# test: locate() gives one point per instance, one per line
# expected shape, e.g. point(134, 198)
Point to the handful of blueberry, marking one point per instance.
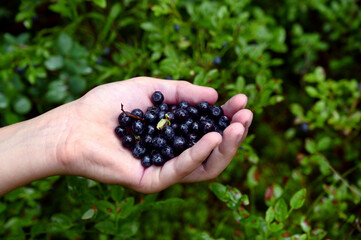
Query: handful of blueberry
point(165, 131)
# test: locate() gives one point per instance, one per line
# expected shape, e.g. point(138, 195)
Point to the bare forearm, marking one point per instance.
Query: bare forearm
point(28, 150)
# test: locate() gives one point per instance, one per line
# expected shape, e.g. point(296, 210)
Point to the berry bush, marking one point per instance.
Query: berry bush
point(296, 176)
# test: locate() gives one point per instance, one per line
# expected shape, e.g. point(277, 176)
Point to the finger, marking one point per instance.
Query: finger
point(176, 91)
point(221, 155)
point(234, 104)
point(243, 116)
point(175, 170)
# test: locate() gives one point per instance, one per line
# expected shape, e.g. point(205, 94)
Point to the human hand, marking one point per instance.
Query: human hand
point(92, 150)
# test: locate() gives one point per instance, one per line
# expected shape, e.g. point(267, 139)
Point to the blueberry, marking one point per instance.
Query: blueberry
point(216, 112)
point(150, 129)
point(207, 126)
point(168, 132)
point(106, 51)
point(164, 107)
point(138, 127)
point(224, 44)
point(183, 129)
point(137, 112)
point(179, 143)
point(181, 115)
point(193, 112)
point(176, 27)
point(192, 137)
point(169, 77)
point(223, 122)
point(150, 116)
point(183, 104)
point(175, 126)
point(124, 120)
point(99, 60)
point(161, 115)
point(189, 121)
point(159, 142)
point(128, 141)
point(173, 108)
point(120, 131)
point(146, 140)
point(195, 127)
point(170, 116)
point(305, 127)
point(21, 70)
point(158, 159)
point(157, 98)
point(217, 60)
point(139, 150)
point(203, 107)
point(167, 152)
point(146, 161)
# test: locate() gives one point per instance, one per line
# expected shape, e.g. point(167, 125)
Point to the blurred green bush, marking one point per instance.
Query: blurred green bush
point(295, 177)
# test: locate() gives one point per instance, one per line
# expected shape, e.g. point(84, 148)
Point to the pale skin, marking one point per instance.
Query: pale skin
point(78, 139)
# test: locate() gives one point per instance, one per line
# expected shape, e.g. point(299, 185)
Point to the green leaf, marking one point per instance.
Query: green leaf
point(100, 3)
point(54, 63)
point(117, 193)
point(280, 210)
point(64, 43)
point(106, 226)
point(298, 199)
point(88, 214)
point(311, 146)
point(219, 190)
point(4, 101)
point(57, 91)
point(77, 84)
point(305, 225)
point(22, 105)
point(149, 27)
point(276, 226)
point(252, 176)
point(270, 214)
point(2, 207)
point(312, 92)
point(297, 109)
point(129, 229)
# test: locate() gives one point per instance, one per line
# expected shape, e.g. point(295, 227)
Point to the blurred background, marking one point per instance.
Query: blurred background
point(297, 175)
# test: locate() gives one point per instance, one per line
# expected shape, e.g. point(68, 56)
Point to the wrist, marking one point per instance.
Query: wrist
point(30, 149)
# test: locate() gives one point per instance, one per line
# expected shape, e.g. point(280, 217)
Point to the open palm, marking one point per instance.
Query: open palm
point(92, 149)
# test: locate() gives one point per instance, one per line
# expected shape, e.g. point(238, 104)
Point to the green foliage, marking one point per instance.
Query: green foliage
point(296, 176)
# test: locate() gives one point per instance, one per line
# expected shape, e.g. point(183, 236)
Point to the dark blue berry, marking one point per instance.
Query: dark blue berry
point(183, 104)
point(21, 70)
point(120, 131)
point(168, 132)
point(192, 137)
point(146, 161)
point(175, 126)
point(158, 159)
point(161, 115)
point(106, 51)
point(170, 116)
point(207, 126)
point(169, 77)
point(181, 115)
point(157, 98)
point(189, 121)
point(167, 152)
point(305, 127)
point(137, 112)
point(164, 107)
point(99, 60)
point(150, 117)
point(150, 129)
point(216, 112)
point(217, 60)
point(193, 112)
point(138, 127)
point(179, 143)
point(195, 127)
point(224, 44)
point(203, 108)
point(124, 120)
point(223, 122)
point(183, 129)
point(139, 150)
point(159, 142)
point(146, 140)
point(176, 27)
point(128, 141)
point(173, 108)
